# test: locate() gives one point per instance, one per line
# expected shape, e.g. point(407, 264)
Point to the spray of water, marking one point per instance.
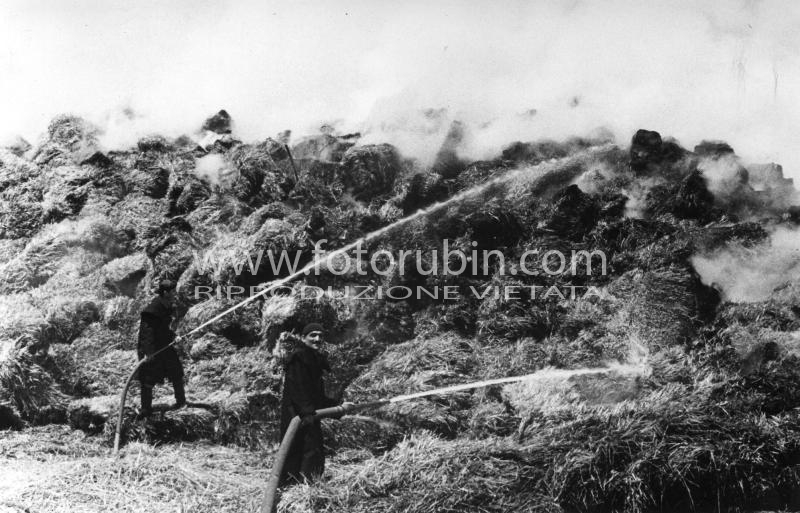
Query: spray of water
point(542, 375)
point(5, 349)
point(528, 173)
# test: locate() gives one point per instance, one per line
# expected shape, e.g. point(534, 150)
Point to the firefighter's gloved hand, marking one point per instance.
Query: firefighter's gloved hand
point(306, 420)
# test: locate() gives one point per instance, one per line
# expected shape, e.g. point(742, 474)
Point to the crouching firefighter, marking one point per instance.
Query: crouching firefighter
point(303, 394)
point(161, 361)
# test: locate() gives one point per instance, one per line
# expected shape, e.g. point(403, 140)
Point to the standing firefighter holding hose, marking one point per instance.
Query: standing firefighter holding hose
point(155, 336)
point(303, 395)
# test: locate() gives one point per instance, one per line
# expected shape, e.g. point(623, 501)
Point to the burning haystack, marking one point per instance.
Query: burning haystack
point(706, 420)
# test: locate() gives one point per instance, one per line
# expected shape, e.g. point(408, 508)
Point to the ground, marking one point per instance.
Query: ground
point(54, 469)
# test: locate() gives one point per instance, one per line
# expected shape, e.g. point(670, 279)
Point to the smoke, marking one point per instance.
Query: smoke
point(213, 168)
point(519, 71)
point(749, 274)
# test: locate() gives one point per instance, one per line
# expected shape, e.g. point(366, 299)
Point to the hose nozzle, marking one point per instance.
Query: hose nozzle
point(344, 409)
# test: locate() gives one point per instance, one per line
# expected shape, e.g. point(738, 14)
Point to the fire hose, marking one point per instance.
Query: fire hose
point(270, 504)
point(124, 395)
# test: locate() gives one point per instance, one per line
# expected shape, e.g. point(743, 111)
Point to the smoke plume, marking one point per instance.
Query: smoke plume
point(402, 73)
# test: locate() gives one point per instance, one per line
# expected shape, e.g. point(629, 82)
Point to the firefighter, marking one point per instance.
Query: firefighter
point(155, 335)
point(303, 395)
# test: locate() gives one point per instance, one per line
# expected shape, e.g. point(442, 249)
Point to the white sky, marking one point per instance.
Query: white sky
point(723, 70)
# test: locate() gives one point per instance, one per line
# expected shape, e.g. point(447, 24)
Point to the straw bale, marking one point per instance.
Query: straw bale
point(246, 261)
point(183, 425)
point(187, 195)
point(210, 345)
point(69, 140)
point(155, 143)
point(659, 305)
point(15, 170)
point(150, 181)
point(18, 316)
point(257, 173)
point(319, 183)
point(221, 209)
point(137, 213)
point(499, 318)
point(249, 420)
point(123, 276)
point(93, 367)
point(277, 235)
point(241, 327)
point(28, 386)
point(33, 266)
point(67, 319)
point(572, 213)
point(19, 218)
point(324, 147)
point(370, 171)
point(91, 414)
point(219, 123)
point(121, 314)
point(254, 221)
point(688, 199)
point(67, 190)
point(172, 255)
point(71, 131)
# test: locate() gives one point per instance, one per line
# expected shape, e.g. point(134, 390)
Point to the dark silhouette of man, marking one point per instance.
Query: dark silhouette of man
point(155, 337)
point(303, 395)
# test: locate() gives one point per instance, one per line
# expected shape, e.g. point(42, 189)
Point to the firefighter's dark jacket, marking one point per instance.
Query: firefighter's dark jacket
point(303, 388)
point(155, 334)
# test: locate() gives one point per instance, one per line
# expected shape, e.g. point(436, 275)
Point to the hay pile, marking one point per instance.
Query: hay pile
point(669, 450)
point(714, 419)
point(423, 473)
